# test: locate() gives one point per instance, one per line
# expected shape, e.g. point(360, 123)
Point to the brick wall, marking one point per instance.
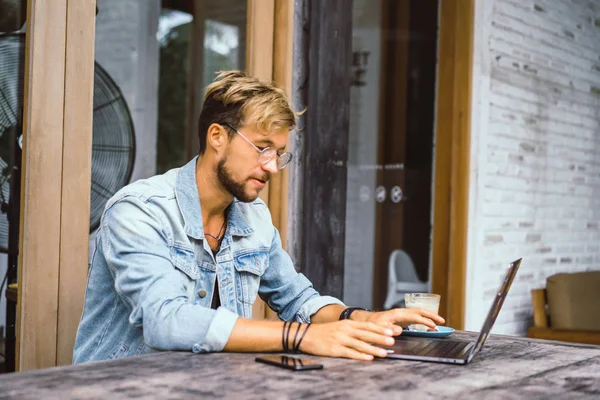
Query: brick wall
point(535, 159)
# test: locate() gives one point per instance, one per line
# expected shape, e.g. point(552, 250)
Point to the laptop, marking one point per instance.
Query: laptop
point(447, 350)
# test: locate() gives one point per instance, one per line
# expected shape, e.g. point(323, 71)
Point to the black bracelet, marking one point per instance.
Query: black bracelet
point(287, 338)
point(348, 311)
point(297, 346)
point(283, 343)
point(296, 337)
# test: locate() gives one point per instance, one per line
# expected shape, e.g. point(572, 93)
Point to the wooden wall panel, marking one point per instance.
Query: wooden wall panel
point(282, 76)
point(41, 188)
point(259, 63)
point(76, 174)
point(55, 188)
point(452, 158)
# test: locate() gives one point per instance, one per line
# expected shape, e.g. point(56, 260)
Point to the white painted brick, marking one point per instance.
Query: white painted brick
point(536, 149)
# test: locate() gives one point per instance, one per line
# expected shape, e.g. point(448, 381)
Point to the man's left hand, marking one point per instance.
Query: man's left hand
point(399, 317)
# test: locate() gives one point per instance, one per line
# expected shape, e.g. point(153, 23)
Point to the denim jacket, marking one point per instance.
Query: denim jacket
point(152, 274)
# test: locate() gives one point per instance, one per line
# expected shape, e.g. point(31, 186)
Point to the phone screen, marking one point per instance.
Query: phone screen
point(293, 363)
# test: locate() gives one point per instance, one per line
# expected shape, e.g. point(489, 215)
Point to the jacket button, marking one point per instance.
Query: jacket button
point(202, 293)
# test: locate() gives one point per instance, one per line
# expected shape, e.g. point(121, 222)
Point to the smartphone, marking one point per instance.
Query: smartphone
point(287, 362)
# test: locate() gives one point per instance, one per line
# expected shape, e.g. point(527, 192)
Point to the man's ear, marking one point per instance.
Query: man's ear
point(216, 137)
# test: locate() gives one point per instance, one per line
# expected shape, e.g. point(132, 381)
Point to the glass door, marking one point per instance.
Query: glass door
point(390, 156)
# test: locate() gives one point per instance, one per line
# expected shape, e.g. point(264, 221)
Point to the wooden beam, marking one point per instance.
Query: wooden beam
point(452, 158)
point(326, 131)
point(76, 173)
point(259, 39)
point(259, 63)
point(259, 48)
point(41, 188)
point(282, 76)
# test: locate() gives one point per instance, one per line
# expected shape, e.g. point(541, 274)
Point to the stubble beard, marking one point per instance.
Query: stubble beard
point(237, 189)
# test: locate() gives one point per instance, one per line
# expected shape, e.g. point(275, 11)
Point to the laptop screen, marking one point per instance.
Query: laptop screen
point(495, 309)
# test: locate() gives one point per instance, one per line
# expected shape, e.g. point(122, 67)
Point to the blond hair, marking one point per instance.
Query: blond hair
point(237, 99)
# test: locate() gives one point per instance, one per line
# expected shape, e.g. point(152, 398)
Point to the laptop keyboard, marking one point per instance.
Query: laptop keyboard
point(443, 348)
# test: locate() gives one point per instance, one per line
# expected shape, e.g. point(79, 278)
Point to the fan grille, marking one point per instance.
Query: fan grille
point(12, 63)
point(113, 141)
point(112, 154)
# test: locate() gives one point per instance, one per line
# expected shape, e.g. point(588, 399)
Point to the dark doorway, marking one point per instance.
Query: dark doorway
point(389, 197)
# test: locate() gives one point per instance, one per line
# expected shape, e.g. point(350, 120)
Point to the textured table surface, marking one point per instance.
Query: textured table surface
point(506, 368)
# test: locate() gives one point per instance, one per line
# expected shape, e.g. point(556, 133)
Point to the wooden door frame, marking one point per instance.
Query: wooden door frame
point(452, 154)
point(269, 57)
point(56, 178)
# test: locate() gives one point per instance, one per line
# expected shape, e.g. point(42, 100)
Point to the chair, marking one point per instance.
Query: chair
point(567, 309)
point(402, 278)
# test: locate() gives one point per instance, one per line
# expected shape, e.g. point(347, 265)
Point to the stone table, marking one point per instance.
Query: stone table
point(506, 368)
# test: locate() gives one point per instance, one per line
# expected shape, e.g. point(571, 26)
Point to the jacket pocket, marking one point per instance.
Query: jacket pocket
point(249, 269)
point(184, 260)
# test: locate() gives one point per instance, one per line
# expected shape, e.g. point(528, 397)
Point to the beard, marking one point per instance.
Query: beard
point(236, 188)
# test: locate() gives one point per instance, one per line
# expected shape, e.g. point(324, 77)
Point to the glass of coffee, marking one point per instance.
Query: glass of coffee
point(426, 301)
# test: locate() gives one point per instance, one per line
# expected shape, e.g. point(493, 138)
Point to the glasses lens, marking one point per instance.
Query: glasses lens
point(284, 160)
point(267, 155)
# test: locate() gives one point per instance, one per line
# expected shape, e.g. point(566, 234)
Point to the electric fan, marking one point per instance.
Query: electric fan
point(113, 142)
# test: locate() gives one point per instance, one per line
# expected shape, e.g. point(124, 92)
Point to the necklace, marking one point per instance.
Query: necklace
point(219, 236)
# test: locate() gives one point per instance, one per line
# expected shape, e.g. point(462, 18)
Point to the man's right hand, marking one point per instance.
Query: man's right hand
point(346, 338)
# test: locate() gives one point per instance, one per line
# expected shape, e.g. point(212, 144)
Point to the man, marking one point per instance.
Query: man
point(181, 257)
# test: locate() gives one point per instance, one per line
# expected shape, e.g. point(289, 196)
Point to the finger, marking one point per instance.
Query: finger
point(357, 355)
point(396, 329)
point(366, 348)
point(425, 321)
point(420, 312)
point(431, 315)
point(371, 337)
point(381, 329)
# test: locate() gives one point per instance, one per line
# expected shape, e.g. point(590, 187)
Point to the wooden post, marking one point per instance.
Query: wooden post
point(76, 173)
point(259, 62)
point(55, 187)
point(453, 118)
point(327, 40)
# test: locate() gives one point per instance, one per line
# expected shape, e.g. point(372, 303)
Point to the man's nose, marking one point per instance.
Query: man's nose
point(271, 166)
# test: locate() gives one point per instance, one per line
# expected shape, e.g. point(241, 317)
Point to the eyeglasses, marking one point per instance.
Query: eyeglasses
point(268, 153)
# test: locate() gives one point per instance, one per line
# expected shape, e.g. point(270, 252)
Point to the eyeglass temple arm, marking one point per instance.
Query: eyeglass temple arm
point(245, 138)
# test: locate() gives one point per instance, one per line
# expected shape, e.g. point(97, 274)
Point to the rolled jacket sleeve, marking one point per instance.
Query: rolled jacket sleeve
point(136, 246)
point(289, 293)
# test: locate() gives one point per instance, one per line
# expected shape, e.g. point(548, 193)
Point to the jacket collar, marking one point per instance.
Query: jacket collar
point(188, 199)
